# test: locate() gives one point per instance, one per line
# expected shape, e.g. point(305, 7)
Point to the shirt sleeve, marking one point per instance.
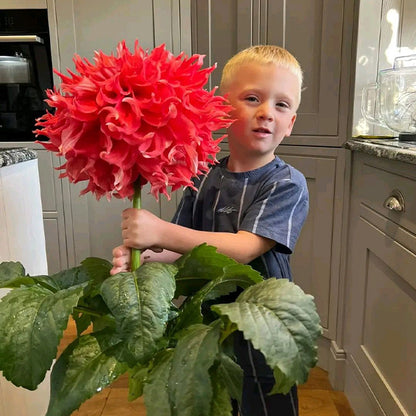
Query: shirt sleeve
point(279, 211)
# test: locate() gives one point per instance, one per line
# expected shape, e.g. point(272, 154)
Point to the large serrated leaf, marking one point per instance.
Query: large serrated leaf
point(97, 271)
point(231, 276)
point(232, 375)
point(12, 274)
point(190, 390)
point(141, 307)
point(281, 321)
point(203, 261)
point(32, 320)
point(85, 367)
point(221, 405)
point(202, 264)
point(71, 277)
point(137, 378)
point(156, 395)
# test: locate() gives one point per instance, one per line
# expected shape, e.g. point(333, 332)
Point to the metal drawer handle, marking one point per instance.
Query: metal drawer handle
point(395, 202)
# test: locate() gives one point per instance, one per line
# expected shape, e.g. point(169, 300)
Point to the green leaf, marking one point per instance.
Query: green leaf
point(12, 274)
point(156, 394)
point(230, 277)
point(85, 367)
point(137, 377)
point(71, 277)
point(202, 261)
point(221, 403)
point(203, 264)
point(32, 320)
point(232, 376)
point(97, 270)
point(82, 321)
point(190, 390)
point(281, 321)
point(141, 308)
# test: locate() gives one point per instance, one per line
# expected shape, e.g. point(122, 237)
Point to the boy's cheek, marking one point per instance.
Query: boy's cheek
point(290, 128)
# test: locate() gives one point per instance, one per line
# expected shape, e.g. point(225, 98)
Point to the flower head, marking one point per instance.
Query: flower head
point(134, 116)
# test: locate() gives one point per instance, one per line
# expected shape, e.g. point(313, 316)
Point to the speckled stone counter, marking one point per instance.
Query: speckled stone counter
point(11, 156)
point(385, 148)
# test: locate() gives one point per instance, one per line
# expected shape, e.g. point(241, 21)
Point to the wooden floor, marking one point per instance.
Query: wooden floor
point(316, 397)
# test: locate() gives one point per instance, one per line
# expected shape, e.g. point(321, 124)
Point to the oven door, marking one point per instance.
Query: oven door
point(25, 74)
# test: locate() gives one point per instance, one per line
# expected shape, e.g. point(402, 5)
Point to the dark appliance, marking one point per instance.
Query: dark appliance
point(25, 72)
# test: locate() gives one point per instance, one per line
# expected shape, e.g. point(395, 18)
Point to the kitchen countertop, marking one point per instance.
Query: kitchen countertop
point(11, 156)
point(385, 148)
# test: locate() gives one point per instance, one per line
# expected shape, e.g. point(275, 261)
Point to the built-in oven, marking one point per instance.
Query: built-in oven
point(25, 71)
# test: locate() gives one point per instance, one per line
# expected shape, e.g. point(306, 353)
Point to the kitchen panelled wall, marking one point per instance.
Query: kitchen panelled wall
point(314, 31)
point(319, 33)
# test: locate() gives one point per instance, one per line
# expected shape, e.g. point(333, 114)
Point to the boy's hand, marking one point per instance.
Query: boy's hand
point(141, 229)
point(121, 260)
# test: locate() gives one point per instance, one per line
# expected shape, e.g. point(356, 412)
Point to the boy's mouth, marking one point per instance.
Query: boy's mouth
point(262, 130)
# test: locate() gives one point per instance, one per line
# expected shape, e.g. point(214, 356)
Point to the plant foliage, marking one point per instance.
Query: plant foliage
point(179, 357)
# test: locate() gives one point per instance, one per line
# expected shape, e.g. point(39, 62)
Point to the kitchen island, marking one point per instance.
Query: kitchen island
point(380, 301)
point(21, 239)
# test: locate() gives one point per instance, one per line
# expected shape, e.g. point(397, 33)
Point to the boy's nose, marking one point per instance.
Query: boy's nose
point(265, 112)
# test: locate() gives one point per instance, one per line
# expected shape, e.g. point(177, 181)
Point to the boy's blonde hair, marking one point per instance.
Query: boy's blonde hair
point(261, 54)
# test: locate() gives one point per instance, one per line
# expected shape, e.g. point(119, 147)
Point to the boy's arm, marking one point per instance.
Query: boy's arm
point(141, 229)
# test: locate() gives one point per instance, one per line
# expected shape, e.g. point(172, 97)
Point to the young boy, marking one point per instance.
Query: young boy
point(251, 205)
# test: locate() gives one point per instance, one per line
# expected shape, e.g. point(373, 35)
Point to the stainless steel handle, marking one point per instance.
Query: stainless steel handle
point(395, 202)
point(21, 38)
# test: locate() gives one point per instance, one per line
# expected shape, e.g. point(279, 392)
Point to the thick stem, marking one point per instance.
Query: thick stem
point(137, 203)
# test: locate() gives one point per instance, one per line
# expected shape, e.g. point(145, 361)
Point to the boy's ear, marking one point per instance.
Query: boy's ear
point(290, 126)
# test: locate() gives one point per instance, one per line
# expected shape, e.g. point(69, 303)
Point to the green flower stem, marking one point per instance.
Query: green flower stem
point(137, 203)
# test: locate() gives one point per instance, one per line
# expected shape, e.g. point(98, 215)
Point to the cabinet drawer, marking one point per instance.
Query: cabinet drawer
point(379, 184)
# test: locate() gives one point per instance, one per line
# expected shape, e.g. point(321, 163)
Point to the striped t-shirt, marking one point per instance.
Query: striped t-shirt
point(271, 201)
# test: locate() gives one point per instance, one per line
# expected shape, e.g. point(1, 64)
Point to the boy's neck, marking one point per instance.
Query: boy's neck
point(247, 164)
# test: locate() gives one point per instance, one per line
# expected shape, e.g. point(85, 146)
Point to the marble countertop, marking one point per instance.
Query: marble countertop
point(385, 148)
point(11, 156)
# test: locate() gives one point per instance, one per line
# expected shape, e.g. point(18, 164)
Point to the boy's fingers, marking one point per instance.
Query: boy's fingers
point(121, 251)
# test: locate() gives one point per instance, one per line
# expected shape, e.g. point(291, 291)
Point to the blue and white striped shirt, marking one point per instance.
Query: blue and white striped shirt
point(271, 201)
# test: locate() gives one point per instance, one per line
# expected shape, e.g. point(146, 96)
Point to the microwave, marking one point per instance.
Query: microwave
point(25, 72)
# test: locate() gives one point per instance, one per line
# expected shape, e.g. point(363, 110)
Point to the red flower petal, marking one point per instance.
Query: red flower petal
point(134, 115)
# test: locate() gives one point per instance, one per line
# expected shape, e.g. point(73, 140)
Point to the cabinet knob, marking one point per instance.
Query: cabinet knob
point(395, 202)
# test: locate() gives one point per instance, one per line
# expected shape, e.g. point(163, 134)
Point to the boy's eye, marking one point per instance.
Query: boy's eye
point(251, 98)
point(282, 104)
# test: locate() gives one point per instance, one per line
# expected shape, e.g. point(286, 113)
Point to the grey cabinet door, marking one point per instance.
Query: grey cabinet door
point(380, 302)
point(312, 30)
point(316, 258)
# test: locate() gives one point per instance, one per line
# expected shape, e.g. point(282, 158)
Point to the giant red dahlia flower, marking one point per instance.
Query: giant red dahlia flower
point(141, 115)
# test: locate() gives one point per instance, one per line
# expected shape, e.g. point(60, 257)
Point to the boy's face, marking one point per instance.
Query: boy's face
point(265, 98)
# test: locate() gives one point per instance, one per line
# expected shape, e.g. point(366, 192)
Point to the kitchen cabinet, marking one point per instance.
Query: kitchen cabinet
point(317, 32)
point(317, 257)
point(53, 190)
point(380, 310)
point(21, 239)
